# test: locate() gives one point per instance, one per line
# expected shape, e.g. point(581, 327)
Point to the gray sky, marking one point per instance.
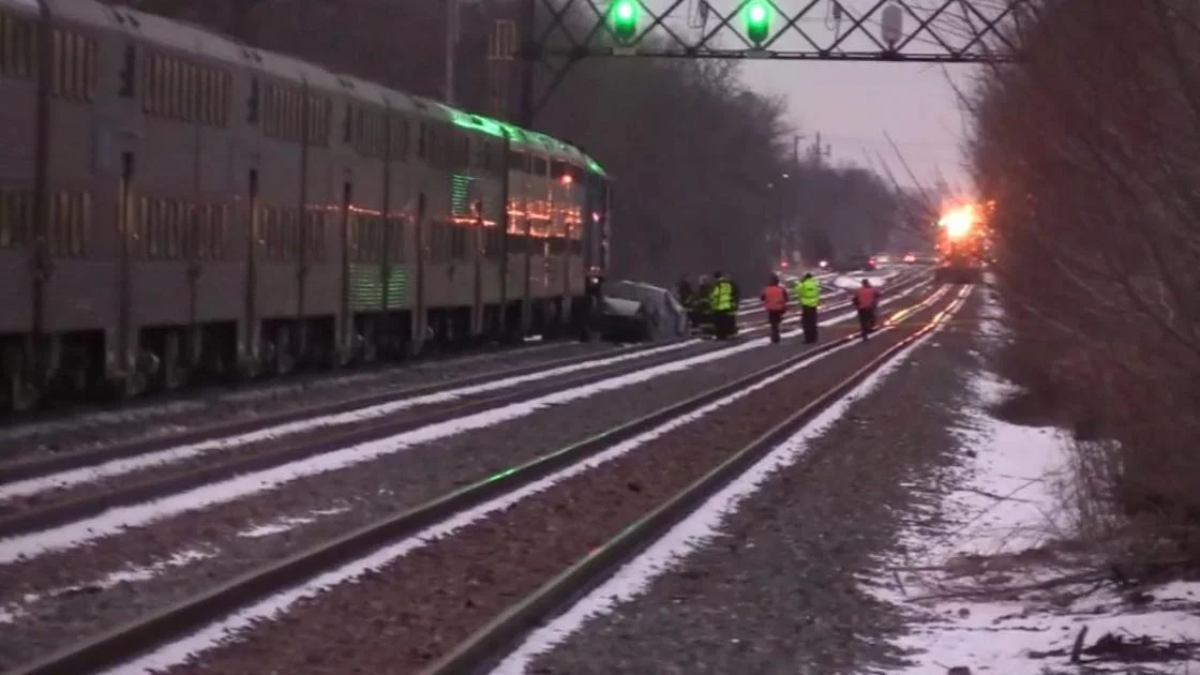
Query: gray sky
point(852, 104)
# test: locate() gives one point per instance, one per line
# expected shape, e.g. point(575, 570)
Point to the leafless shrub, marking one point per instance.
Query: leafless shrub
point(1091, 147)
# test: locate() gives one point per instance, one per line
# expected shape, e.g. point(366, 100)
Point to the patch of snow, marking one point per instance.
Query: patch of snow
point(118, 519)
point(220, 632)
point(1005, 515)
point(635, 577)
point(14, 612)
point(72, 477)
point(289, 523)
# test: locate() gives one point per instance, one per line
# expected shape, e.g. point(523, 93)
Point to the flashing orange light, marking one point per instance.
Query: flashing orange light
point(567, 179)
point(959, 222)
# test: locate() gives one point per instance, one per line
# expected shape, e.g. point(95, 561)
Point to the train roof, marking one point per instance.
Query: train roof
point(184, 36)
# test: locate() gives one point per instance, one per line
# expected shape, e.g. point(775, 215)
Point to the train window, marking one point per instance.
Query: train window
point(422, 140)
point(128, 72)
point(400, 139)
point(170, 90)
point(252, 104)
point(194, 93)
point(322, 111)
point(18, 37)
point(171, 230)
point(348, 125)
point(60, 64)
point(224, 100)
point(539, 166)
point(141, 228)
point(15, 217)
point(159, 95)
point(204, 213)
point(315, 234)
point(158, 229)
point(204, 86)
point(518, 161)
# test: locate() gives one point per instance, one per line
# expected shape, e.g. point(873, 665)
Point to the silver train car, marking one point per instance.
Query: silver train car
point(173, 202)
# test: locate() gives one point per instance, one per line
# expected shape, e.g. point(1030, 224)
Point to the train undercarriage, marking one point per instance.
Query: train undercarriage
point(71, 367)
point(958, 274)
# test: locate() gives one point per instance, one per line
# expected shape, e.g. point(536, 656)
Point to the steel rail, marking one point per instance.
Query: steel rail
point(495, 640)
point(41, 466)
point(126, 642)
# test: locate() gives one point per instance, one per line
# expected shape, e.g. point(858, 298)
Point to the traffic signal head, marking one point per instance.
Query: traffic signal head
point(624, 14)
point(758, 21)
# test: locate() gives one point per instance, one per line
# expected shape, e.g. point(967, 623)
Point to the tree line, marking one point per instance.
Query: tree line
point(1091, 148)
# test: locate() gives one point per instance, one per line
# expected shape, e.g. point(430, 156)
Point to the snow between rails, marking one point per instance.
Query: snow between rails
point(116, 520)
point(217, 633)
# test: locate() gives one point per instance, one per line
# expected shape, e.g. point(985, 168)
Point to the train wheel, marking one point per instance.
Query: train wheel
point(20, 394)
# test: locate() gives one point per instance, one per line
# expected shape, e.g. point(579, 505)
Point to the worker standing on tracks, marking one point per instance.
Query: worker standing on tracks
point(683, 290)
point(775, 301)
point(723, 306)
point(866, 301)
point(808, 292)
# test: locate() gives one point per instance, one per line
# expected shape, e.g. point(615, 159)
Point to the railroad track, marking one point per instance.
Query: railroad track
point(835, 361)
point(46, 491)
point(63, 431)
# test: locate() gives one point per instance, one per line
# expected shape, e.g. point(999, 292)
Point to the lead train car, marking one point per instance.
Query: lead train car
point(206, 206)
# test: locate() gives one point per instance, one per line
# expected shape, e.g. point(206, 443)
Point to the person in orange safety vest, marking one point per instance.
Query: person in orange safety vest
point(775, 300)
point(866, 301)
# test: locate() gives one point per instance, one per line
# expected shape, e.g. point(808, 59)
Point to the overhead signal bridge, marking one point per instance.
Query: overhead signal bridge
point(557, 34)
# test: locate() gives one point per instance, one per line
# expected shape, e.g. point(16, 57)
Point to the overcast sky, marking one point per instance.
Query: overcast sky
point(852, 104)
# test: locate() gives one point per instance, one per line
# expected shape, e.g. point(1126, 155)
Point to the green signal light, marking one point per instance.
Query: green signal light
point(625, 19)
point(758, 21)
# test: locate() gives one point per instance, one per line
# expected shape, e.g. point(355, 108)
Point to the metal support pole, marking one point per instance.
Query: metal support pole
point(528, 61)
point(452, 20)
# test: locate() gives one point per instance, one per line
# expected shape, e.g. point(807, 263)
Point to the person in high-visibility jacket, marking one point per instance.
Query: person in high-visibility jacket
point(723, 305)
point(775, 301)
point(808, 292)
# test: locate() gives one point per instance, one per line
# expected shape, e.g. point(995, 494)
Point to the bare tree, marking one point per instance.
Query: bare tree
point(1091, 148)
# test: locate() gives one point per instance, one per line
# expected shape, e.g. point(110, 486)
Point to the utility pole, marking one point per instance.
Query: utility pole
point(816, 151)
point(452, 21)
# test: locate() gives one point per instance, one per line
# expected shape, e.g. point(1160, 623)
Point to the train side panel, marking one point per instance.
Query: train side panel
point(18, 133)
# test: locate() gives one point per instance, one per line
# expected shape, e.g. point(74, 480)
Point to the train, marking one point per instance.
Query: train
point(962, 244)
point(175, 203)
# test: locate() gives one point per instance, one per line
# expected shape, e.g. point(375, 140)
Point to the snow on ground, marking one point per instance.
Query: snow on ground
point(233, 625)
point(10, 612)
point(991, 591)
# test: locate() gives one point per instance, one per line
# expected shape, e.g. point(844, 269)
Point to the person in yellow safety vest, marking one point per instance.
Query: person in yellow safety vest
point(808, 292)
point(723, 306)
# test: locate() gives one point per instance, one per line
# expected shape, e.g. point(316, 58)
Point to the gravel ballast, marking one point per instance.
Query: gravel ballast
point(775, 591)
point(418, 607)
point(217, 537)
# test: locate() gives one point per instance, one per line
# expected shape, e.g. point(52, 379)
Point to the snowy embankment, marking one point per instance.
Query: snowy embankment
point(998, 591)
